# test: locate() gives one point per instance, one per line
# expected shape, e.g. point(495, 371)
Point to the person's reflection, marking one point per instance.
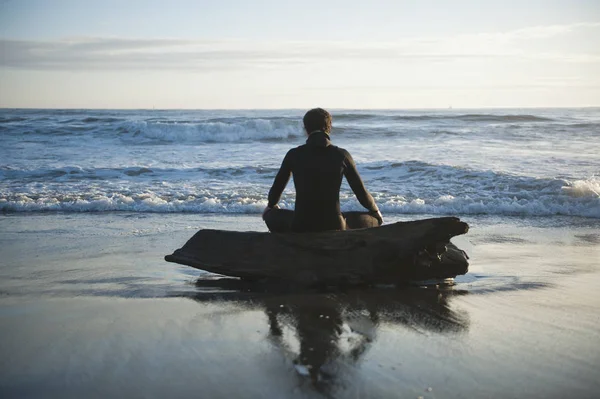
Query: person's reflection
point(318, 327)
point(334, 331)
point(337, 330)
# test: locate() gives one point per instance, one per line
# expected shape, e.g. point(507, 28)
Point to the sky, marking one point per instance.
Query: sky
point(240, 54)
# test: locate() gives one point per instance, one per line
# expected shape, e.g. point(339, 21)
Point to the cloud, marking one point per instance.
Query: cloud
point(545, 31)
point(91, 54)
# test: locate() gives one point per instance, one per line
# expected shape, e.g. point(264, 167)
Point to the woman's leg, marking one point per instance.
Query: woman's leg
point(360, 220)
point(280, 220)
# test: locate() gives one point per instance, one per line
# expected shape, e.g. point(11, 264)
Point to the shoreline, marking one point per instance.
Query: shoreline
point(88, 306)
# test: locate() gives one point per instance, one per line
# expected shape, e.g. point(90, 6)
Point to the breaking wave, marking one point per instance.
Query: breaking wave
point(499, 162)
point(511, 118)
point(397, 187)
point(216, 131)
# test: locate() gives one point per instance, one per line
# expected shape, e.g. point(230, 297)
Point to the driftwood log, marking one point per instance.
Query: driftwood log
point(391, 254)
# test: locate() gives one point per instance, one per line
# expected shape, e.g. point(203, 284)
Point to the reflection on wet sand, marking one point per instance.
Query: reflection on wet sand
point(326, 333)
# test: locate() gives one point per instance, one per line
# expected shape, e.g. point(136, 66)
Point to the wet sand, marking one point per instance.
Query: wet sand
point(89, 308)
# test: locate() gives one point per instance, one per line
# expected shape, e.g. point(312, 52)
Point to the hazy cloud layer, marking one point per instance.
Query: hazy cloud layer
point(88, 54)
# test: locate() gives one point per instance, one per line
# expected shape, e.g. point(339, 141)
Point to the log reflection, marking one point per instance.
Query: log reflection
point(334, 330)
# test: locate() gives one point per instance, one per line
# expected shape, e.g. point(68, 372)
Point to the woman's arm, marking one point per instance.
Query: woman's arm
point(281, 180)
point(358, 187)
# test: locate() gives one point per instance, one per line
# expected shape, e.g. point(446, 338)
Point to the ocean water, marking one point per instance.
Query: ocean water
point(529, 162)
point(91, 201)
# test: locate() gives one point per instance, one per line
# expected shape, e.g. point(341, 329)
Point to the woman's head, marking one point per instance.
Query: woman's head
point(317, 119)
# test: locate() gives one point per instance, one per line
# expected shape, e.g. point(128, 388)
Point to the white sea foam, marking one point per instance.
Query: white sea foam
point(217, 131)
point(493, 162)
point(584, 188)
point(253, 199)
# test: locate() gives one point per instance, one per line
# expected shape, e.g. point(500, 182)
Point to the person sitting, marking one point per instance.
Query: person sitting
point(318, 167)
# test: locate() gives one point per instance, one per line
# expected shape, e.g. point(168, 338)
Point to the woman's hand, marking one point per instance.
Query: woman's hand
point(267, 209)
point(379, 217)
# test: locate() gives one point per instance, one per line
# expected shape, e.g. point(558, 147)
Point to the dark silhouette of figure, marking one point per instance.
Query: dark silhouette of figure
point(318, 168)
point(335, 330)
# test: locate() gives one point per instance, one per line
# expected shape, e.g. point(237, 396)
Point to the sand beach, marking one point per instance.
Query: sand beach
point(88, 307)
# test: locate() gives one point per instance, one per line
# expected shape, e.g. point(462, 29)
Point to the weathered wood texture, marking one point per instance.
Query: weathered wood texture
point(390, 254)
